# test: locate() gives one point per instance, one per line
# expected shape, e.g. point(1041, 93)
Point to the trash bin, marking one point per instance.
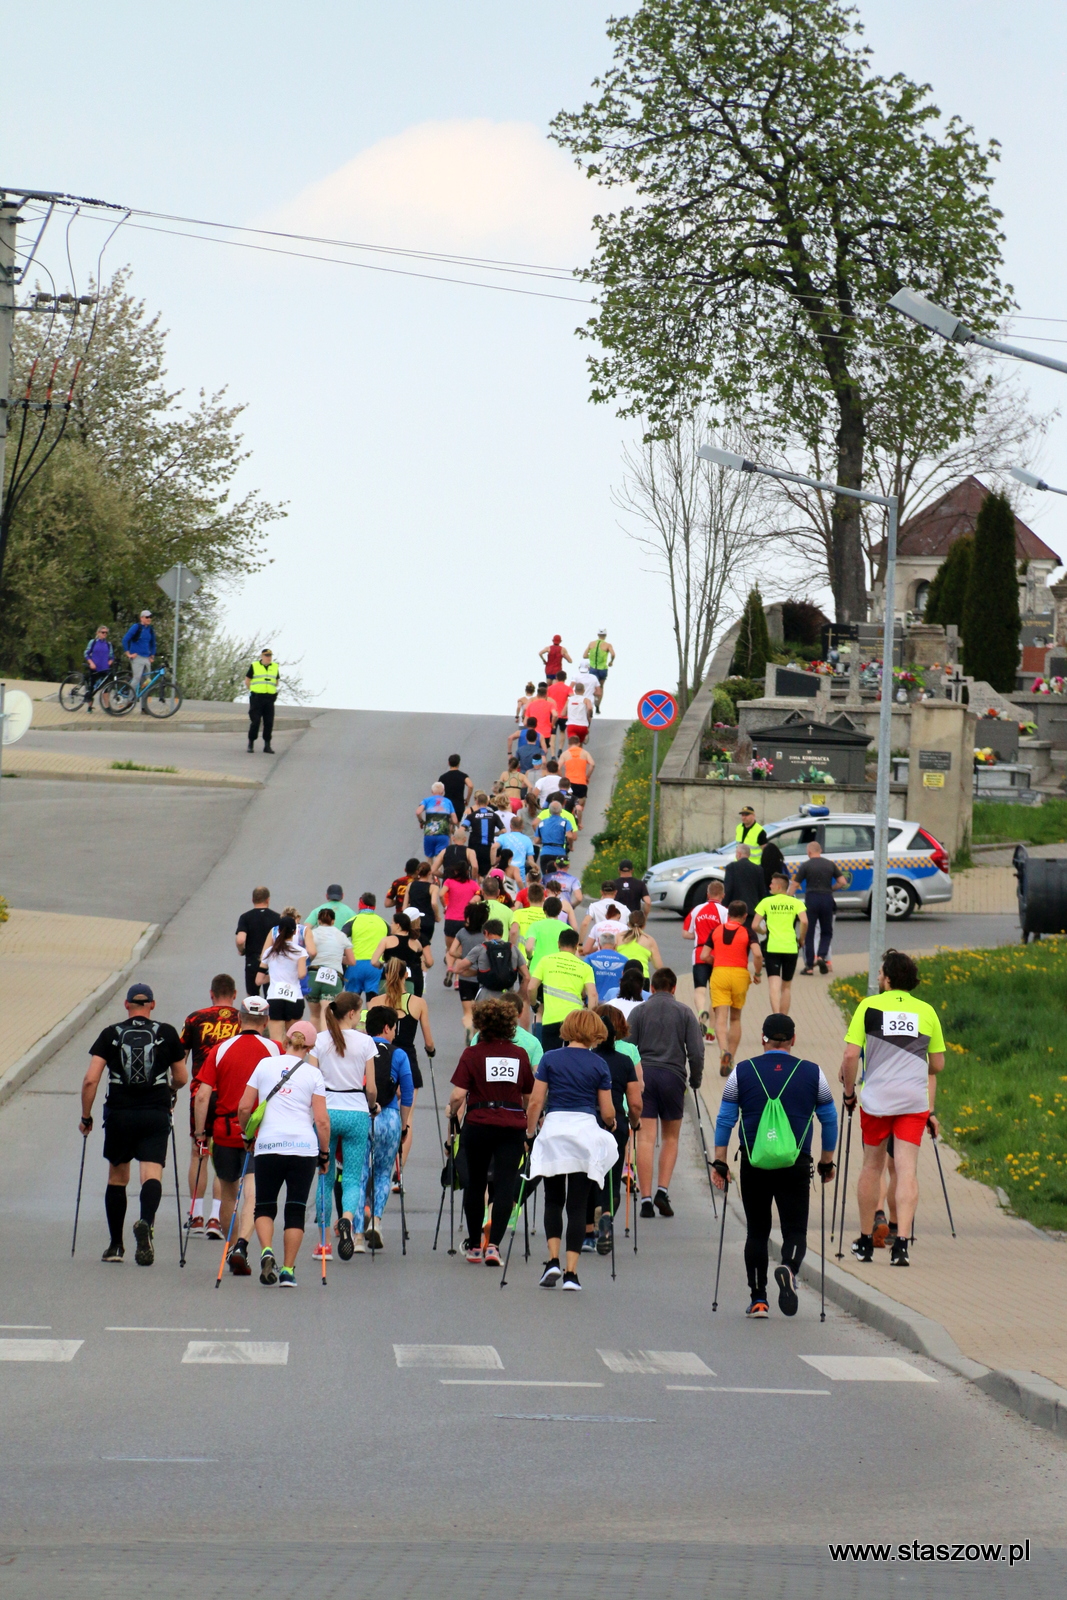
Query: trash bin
point(1042, 893)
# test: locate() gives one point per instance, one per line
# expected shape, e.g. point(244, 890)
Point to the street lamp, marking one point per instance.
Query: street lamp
point(727, 458)
point(930, 315)
point(1032, 481)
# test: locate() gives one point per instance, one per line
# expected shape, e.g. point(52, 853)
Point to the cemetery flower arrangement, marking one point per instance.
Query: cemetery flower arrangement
point(762, 769)
point(1049, 686)
point(909, 678)
point(985, 757)
point(1028, 728)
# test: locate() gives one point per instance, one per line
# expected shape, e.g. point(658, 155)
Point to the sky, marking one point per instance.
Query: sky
point(448, 483)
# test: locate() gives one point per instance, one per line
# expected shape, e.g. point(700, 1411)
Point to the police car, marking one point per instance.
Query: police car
point(918, 865)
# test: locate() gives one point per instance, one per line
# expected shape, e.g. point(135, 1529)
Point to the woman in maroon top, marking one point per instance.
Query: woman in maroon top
point(493, 1081)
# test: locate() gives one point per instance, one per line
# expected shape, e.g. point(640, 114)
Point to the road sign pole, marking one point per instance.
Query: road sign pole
point(177, 612)
point(652, 796)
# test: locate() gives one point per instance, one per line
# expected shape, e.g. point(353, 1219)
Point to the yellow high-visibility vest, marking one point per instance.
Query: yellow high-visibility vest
point(749, 836)
point(264, 679)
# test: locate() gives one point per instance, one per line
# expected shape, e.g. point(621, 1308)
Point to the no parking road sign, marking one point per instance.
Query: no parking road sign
point(657, 709)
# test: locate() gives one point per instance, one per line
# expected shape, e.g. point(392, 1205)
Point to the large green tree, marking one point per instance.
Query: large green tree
point(753, 639)
point(991, 625)
point(137, 481)
point(783, 192)
point(948, 587)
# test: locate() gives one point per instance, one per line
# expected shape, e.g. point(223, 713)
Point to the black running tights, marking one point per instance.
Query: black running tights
point(788, 1188)
point(499, 1147)
point(575, 1186)
point(297, 1173)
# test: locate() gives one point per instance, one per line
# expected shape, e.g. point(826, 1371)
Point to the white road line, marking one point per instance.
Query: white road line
point(699, 1388)
point(170, 1461)
point(26, 1327)
point(670, 1363)
point(39, 1349)
point(177, 1330)
point(867, 1369)
point(446, 1355)
point(544, 1416)
point(518, 1383)
point(236, 1352)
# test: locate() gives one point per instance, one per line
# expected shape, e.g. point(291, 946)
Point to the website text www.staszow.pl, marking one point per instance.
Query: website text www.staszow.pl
point(915, 1550)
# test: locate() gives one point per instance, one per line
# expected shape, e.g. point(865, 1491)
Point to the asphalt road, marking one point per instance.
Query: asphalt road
point(722, 1469)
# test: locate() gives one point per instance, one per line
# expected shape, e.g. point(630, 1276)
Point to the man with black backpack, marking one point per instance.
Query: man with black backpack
point(777, 1097)
point(497, 964)
point(145, 1064)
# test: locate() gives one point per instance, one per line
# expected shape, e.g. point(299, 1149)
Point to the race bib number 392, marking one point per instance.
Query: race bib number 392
point(501, 1069)
point(900, 1025)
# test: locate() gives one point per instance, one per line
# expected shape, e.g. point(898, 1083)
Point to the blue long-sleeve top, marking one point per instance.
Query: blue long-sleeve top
point(400, 1069)
point(140, 640)
point(805, 1095)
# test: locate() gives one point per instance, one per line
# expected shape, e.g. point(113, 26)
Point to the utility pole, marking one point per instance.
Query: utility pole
point(9, 213)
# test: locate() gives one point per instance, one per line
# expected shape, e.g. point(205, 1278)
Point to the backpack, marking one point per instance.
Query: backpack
point(775, 1145)
point(384, 1083)
point(138, 1066)
point(501, 973)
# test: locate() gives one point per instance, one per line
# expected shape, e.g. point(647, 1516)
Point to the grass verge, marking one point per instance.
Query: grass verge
point(136, 766)
point(1002, 1098)
point(625, 830)
point(1043, 824)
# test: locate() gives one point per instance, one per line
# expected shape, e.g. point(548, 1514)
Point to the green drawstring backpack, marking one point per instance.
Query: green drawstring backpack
point(775, 1144)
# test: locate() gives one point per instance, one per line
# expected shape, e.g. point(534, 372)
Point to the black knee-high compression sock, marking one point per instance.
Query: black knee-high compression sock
point(151, 1195)
point(115, 1207)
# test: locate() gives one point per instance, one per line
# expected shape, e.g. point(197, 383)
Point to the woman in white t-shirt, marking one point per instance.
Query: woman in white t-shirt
point(333, 954)
point(285, 964)
point(343, 1055)
point(292, 1140)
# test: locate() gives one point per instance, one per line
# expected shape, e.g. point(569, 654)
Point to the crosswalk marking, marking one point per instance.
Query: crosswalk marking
point(714, 1388)
point(672, 1363)
point(39, 1349)
point(236, 1352)
point(446, 1355)
point(518, 1383)
point(867, 1369)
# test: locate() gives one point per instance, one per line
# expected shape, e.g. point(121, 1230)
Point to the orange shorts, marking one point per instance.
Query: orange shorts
point(909, 1126)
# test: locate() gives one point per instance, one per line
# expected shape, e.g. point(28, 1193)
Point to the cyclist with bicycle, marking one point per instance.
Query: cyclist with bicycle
point(139, 643)
point(99, 660)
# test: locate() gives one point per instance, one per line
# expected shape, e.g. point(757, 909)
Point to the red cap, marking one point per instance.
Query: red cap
point(557, 638)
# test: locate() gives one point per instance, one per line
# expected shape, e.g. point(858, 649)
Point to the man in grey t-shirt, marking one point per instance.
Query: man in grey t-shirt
point(818, 877)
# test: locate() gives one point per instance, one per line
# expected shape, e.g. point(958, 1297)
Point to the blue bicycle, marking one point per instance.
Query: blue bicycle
point(157, 691)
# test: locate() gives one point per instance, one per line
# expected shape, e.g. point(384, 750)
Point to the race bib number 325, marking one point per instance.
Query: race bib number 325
point(501, 1069)
point(900, 1025)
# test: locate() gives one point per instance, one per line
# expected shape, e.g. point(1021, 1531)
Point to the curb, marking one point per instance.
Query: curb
point(43, 1051)
point(166, 780)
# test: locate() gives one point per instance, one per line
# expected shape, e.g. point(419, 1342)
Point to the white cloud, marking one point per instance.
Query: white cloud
point(470, 187)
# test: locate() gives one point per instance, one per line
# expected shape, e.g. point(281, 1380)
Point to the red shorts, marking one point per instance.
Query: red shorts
point(579, 731)
point(909, 1126)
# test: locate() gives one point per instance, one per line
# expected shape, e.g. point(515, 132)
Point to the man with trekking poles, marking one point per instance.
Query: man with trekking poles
point(776, 1097)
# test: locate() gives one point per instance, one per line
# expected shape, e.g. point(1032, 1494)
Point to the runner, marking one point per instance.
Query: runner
point(523, 701)
point(598, 908)
point(698, 926)
point(251, 935)
point(333, 954)
point(554, 836)
point(437, 816)
point(292, 1143)
point(343, 1054)
point(577, 767)
point(799, 1088)
point(456, 784)
point(572, 1148)
point(335, 902)
point(394, 895)
point(422, 904)
point(456, 895)
point(223, 1080)
point(393, 1083)
point(627, 1094)
point(497, 906)
point(527, 746)
point(145, 1065)
point(498, 965)
point(365, 933)
point(524, 1038)
point(600, 655)
point(522, 848)
point(493, 1082)
point(460, 952)
point(632, 992)
point(639, 945)
point(608, 966)
point(547, 788)
point(540, 709)
point(553, 656)
point(284, 966)
point(202, 1031)
point(558, 693)
point(412, 1013)
point(579, 711)
point(668, 1039)
point(458, 850)
point(779, 913)
point(566, 885)
point(903, 1051)
point(545, 931)
point(817, 877)
point(484, 825)
point(403, 943)
point(566, 981)
point(730, 949)
point(615, 925)
point(512, 781)
point(630, 891)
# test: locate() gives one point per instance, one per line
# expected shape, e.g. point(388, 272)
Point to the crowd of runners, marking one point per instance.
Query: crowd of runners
point(577, 1052)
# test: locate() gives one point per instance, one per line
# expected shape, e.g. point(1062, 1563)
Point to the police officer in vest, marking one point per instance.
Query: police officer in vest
point(749, 832)
point(261, 681)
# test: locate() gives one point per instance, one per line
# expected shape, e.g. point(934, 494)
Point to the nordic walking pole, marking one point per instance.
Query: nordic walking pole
point(707, 1158)
point(611, 1204)
point(941, 1175)
point(526, 1232)
point(722, 1232)
point(322, 1215)
point(833, 1208)
point(233, 1219)
point(629, 1182)
point(633, 1169)
point(844, 1188)
point(822, 1257)
point(433, 1084)
point(514, 1220)
point(453, 1135)
point(178, 1195)
point(196, 1185)
point(403, 1217)
point(370, 1184)
point(78, 1202)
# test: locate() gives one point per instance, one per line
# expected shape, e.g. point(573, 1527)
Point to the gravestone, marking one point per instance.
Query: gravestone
point(806, 751)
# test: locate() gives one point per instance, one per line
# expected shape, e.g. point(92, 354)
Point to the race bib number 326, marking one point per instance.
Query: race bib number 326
point(501, 1069)
point(900, 1025)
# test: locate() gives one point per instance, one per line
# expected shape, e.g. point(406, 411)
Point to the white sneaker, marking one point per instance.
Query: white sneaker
point(359, 1245)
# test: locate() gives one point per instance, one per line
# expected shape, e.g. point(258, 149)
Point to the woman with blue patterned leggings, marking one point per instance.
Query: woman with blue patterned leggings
point(343, 1056)
point(396, 1096)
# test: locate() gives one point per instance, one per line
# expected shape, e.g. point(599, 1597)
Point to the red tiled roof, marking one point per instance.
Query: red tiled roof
point(932, 530)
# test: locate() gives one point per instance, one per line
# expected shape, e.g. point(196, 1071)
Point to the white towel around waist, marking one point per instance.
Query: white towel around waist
point(573, 1141)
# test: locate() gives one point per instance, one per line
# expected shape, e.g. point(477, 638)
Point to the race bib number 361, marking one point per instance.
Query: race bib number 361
point(900, 1025)
point(501, 1069)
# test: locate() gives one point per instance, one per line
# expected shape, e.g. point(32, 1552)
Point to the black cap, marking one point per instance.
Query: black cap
point(779, 1026)
point(139, 994)
point(334, 892)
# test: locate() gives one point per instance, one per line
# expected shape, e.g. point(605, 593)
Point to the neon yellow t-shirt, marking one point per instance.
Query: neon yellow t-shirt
point(780, 912)
point(564, 977)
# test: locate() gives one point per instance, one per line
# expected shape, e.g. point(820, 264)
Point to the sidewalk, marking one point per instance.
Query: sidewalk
point(200, 716)
point(19, 762)
point(999, 1288)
